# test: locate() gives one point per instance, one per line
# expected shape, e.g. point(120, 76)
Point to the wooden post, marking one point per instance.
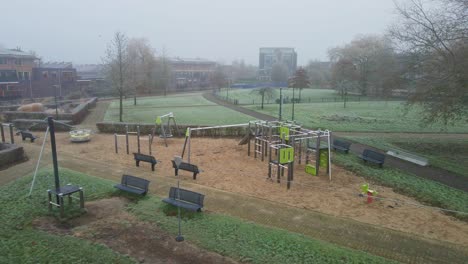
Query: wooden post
point(138, 138)
point(149, 143)
point(12, 137)
point(2, 132)
point(317, 154)
point(115, 143)
point(126, 139)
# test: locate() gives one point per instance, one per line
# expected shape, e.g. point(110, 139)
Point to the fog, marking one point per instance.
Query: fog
point(79, 31)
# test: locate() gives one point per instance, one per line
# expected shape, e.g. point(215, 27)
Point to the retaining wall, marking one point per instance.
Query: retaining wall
point(10, 153)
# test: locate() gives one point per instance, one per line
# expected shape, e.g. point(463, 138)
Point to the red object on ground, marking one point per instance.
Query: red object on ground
point(369, 197)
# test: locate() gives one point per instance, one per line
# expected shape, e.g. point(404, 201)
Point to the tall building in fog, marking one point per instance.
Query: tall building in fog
point(270, 56)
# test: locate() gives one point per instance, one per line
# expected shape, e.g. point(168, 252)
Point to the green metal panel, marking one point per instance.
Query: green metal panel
point(310, 169)
point(284, 133)
point(323, 158)
point(158, 120)
point(286, 155)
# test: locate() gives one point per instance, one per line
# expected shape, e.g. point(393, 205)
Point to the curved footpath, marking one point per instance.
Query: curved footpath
point(432, 173)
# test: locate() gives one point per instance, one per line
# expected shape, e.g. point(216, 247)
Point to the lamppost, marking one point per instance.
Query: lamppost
point(178, 161)
point(281, 104)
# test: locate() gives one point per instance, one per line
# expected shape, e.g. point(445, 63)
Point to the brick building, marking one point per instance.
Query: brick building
point(16, 69)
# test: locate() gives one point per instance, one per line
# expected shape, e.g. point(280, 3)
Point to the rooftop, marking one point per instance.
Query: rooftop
point(57, 65)
point(15, 53)
point(191, 60)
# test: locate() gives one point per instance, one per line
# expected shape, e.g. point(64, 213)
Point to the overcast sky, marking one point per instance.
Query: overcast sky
point(220, 30)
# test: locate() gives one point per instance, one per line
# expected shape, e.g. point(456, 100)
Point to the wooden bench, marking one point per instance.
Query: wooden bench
point(372, 156)
point(27, 134)
point(341, 145)
point(133, 184)
point(186, 167)
point(146, 158)
point(186, 199)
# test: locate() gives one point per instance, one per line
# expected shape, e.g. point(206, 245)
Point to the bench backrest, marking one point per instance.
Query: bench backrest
point(186, 166)
point(129, 180)
point(187, 196)
point(342, 143)
point(144, 157)
point(373, 155)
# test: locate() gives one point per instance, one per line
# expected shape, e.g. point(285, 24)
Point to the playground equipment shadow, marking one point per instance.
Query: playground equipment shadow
point(376, 240)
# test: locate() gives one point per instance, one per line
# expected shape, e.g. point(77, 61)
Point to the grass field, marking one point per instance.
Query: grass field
point(190, 109)
point(364, 116)
point(424, 190)
point(449, 154)
point(250, 97)
point(243, 241)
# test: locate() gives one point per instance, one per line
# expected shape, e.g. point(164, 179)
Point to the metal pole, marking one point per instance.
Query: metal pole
point(329, 156)
point(293, 105)
point(188, 142)
point(149, 142)
point(281, 104)
point(38, 161)
point(50, 121)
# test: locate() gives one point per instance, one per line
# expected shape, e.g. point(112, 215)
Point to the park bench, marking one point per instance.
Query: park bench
point(133, 184)
point(341, 145)
point(186, 199)
point(146, 158)
point(186, 167)
point(372, 156)
point(27, 134)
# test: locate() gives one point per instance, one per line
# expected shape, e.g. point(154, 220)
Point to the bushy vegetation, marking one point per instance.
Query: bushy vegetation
point(425, 191)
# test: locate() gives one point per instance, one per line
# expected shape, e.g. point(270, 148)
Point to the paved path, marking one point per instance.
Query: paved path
point(432, 173)
point(95, 115)
point(375, 240)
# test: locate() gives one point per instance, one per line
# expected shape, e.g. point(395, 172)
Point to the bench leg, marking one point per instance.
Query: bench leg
point(195, 175)
point(176, 172)
point(81, 199)
point(152, 167)
point(137, 163)
point(62, 206)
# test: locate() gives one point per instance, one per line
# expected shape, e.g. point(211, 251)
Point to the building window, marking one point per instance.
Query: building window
point(26, 75)
point(45, 74)
point(19, 62)
point(3, 61)
point(53, 75)
point(20, 76)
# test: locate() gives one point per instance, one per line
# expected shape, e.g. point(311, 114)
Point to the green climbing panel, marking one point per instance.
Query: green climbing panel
point(158, 120)
point(284, 133)
point(310, 169)
point(323, 158)
point(286, 155)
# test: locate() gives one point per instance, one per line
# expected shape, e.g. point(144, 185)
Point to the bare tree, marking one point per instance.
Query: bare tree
point(434, 40)
point(218, 80)
point(116, 66)
point(373, 57)
point(141, 64)
point(265, 92)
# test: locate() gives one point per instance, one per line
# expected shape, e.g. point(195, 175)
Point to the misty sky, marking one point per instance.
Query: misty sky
point(220, 30)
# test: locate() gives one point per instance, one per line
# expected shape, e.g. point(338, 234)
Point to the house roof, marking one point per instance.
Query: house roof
point(14, 53)
point(57, 65)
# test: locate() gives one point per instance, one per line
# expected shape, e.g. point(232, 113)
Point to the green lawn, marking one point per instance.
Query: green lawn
point(20, 243)
point(359, 116)
point(250, 97)
point(191, 109)
point(449, 154)
point(424, 190)
point(238, 239)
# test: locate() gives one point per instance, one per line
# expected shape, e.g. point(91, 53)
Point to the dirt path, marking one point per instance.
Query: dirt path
point(432, 173)
point(95, 115)
point(401, 246)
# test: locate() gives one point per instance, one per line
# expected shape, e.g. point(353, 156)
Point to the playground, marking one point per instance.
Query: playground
point(226, 166)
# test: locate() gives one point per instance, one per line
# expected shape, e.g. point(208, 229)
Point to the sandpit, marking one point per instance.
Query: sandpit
point(227, 167)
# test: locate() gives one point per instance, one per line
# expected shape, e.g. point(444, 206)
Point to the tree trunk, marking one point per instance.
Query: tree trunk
point(121, 107)
point(263, 96)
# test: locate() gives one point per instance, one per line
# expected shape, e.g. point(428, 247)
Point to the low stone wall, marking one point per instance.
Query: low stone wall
point(39, 125)
point(10, 153)
point(120, 128)
point(76, 116)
